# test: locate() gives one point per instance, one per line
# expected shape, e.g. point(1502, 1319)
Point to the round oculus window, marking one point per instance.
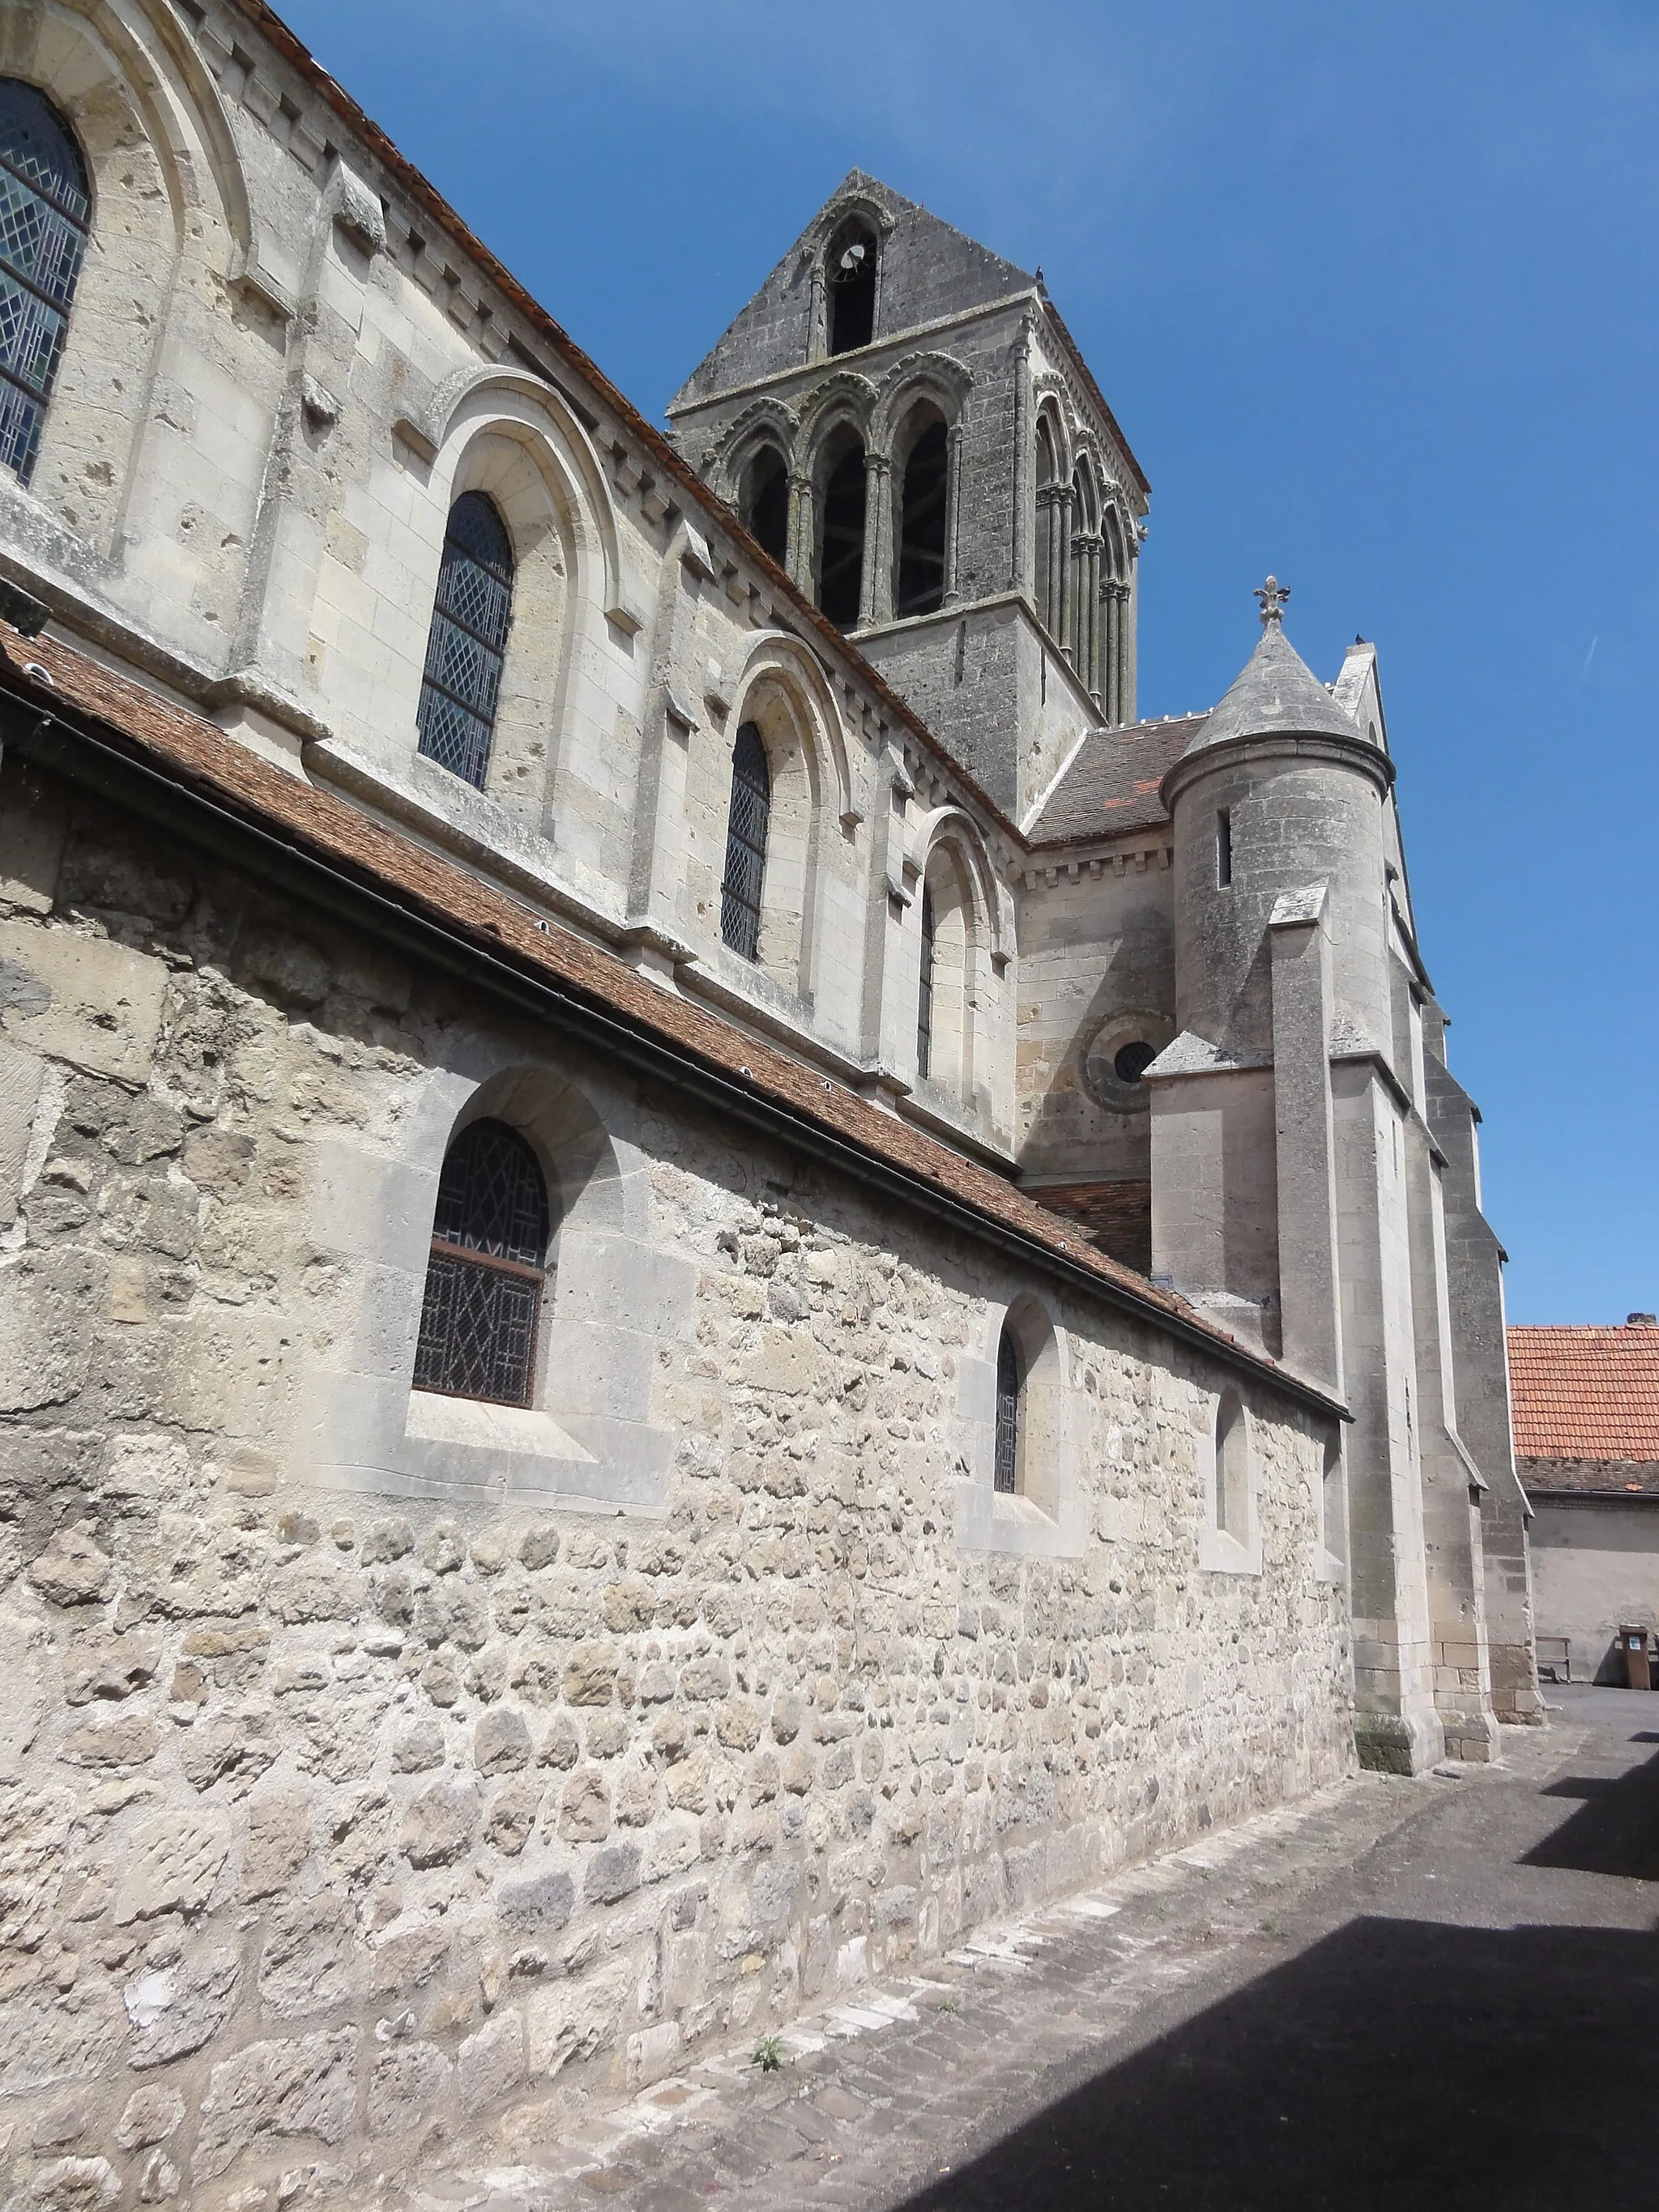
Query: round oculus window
point(1116, 1057)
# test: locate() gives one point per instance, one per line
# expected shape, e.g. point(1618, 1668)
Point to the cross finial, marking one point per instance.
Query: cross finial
point(1273, 595)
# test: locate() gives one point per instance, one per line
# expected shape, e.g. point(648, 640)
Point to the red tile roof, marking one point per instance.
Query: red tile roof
point(50, 680)
point(1585, 1393)
point(1113, 784)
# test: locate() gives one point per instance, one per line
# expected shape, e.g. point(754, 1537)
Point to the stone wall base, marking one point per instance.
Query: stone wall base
point(1399, 1743)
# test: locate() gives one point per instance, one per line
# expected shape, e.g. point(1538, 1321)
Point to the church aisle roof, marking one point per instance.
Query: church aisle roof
point(54, 688)
point(1589, 1395)
point(1112, 784)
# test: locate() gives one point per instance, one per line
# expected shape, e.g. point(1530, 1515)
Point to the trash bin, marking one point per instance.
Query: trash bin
point(1635, 1642)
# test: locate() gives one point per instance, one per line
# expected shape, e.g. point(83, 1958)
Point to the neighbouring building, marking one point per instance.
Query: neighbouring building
point(703, 1272)
point(1587, 1451)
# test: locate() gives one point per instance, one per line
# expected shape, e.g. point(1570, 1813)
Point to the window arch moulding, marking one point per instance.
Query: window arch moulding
point(918, 376)
point(586, 1442)
point(845, 396)
point(1047, 1516)
point(783, 690)
point(152, 132)
point(994, 911)
point(779, 653)
point(171, 78)
point(763, 422)
point(472, 398)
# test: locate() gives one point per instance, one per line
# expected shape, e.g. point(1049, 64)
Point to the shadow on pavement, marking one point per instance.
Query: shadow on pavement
point(1399, 2064)
point(1616, 1831)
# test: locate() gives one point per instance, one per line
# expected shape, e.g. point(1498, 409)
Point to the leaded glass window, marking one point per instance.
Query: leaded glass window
point(487, 1271)
point(1007, 1476)
point(468, 642)
point(745, 844)
point(925, 994)
point(44, 210)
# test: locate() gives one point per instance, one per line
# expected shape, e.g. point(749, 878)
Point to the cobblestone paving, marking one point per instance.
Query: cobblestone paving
point(891, 2094)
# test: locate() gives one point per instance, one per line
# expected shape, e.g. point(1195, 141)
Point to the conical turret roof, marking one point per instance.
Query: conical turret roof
point(1275, 695)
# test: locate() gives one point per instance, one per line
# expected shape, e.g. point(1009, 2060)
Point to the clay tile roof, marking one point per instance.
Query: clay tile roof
point(54, 684)
point(1112, 784)
point(1586, 1394)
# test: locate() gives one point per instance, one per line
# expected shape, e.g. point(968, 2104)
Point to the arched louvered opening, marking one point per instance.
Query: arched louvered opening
point(747, 822)
point(1010, 1388)
point(850, 281)
point(1085, 624)
point(924, 990)
point(46, 210)
point(487, 1271)
point(1053, 501)
point(841, 557)
point(466, 648)
point(764, 503)
point(923, 516)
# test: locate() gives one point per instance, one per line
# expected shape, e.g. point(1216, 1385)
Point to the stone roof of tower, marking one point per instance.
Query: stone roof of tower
point(1112, 783)
point(945, 273)
point(1589, 1396)
point(1276, 694)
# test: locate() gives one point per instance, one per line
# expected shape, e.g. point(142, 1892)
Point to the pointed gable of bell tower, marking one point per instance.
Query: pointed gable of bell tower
point(904, 425)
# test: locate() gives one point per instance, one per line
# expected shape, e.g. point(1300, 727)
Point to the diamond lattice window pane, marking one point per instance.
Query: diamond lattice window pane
point(466, 646)
point(43, 215)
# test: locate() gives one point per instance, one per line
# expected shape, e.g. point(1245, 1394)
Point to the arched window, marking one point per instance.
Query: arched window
point(764, 503)
point(841, 562)
point(850, 276)
point(745, 844)
point(488, 1270)
point(44, 208)
point(1009, 1391)
point(922, 520)
point(1232, 1468)
point(925, 994)
point(468, 642)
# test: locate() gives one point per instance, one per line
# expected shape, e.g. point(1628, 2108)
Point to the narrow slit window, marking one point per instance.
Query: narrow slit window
point(745, 844)
point(1224, 850)
point(46, 209)
point(487, 1271)
point(466, 648)
point(1007, 1475)
point(924, 990)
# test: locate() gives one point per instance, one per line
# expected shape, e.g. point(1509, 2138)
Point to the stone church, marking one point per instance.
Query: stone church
point(703, 1272)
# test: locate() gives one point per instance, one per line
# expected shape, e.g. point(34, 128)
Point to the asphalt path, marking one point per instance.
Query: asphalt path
point(1469, 2017)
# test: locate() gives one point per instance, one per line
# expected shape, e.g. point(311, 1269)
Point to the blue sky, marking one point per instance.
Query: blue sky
point(1371, 289)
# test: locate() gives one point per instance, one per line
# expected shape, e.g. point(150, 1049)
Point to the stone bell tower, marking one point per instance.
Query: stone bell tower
point(904, 423)
point(1296, 1185)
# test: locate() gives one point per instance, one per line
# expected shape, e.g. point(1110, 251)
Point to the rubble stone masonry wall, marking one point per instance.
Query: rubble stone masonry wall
point(345, 1802)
